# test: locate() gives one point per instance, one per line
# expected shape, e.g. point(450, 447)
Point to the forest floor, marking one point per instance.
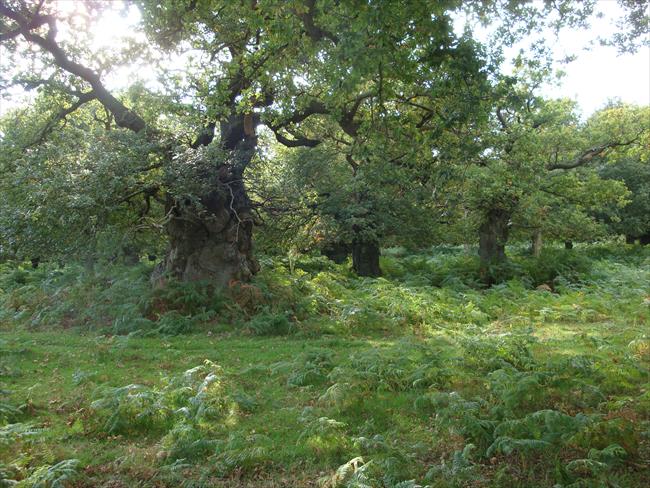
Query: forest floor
point(418, 378)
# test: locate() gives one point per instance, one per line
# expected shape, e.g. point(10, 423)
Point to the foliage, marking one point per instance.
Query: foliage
point(387, 382)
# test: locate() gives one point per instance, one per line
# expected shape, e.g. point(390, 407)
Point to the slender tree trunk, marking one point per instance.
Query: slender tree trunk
point(630, 239)
point(537, 243)
point(214, 242)
point(365, 258)
point(568, 244)
point(493, 235)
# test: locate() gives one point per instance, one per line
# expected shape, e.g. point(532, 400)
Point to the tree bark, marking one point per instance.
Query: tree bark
point(214, 241)
point(493, 235)
point(568, 244)
point(365, 258)
point(644, 240)
point(630, 239)
point(537, 244)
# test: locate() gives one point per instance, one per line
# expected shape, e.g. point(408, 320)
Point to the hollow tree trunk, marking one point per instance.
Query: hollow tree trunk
point(214, 241)
point(537, 244)
point(365, 258)
point(493, 235)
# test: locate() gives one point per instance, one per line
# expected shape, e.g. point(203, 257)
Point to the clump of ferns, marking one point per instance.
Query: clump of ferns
point(8, 411)
point(358, 473)
point(308, 369)
point(544, 433)
point(393, 462)
point(406, 366)
point(57, 475)
point(487, 353)
point(187, 443)
point(596, 469)
point(193, 411)
point(242, 453)
point(325, 436)
point(200, 396)
point(573, 383)
point(462, 468)
point(451, 412)
point(493, 434)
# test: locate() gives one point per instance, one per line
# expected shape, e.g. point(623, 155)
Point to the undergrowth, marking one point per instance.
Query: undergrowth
point(311, 377)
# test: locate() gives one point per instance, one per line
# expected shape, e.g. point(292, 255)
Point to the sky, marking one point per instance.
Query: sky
point(601, 73)
point(596, 76)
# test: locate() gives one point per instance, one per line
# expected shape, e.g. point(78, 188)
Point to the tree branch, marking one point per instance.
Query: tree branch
point(295, 142)
point(123, 116)
point(590, 154)
point(314, 32)
point(61, 115)
point(347, 122)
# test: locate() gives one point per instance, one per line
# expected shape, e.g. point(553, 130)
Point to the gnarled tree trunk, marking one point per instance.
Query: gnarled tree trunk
point(493, 235)
point(214, 241)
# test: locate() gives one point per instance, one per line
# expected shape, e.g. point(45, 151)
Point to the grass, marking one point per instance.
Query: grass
point(317, 378)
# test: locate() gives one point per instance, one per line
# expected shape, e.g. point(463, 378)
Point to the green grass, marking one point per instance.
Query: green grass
point(319, 378)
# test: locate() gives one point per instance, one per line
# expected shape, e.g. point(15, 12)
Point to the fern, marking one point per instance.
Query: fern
point(462, 467)
point(130, 408)
point(462, 416)
point(8, 475)
point(597, 467)
point(8, 412)
point(348, 475)
point(198, 395)
point(186, 442)
point(11, 433)
point(405, 366)
point(507, 445)
point(311, 368)
point(56, 476)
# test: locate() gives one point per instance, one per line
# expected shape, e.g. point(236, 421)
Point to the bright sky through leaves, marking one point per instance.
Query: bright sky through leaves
point(598, 73)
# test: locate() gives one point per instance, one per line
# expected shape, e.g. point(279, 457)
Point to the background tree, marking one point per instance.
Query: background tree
point(524, 173)
point(629, 165)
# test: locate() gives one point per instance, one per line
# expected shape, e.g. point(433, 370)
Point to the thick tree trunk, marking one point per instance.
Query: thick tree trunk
point(493, 235)
point(365, 258)
point(536, 244)
point(644, 240)
point(214, 241)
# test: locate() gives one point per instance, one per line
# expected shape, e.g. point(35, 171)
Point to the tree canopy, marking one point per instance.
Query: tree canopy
point(353, 123)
